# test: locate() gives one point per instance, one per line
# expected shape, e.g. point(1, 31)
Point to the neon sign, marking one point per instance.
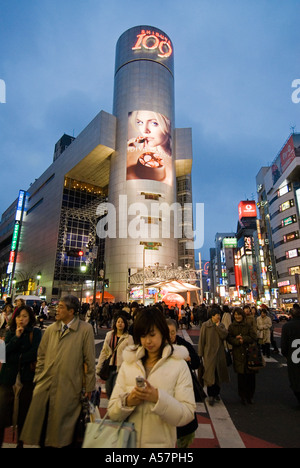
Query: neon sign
point(151, 40)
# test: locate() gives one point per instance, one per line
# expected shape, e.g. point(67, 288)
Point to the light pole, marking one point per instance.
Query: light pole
point(83, 269)
point(14, 282)
point(38, 277)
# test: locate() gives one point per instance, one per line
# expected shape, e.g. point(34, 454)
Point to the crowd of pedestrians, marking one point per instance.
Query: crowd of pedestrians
point(151, 378)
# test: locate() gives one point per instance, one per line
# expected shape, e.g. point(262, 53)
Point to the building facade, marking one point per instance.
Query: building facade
point(120, 191)
point(278, 188)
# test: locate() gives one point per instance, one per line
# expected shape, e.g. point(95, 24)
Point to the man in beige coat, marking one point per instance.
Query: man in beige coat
point(66, 365)
point(211, 349)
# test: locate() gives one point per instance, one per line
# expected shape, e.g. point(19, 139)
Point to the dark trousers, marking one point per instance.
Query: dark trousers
point(213, 391)
point(246, 385)
point(297, 395)
point(266, 349)
point(6, 408)
point(25, 398)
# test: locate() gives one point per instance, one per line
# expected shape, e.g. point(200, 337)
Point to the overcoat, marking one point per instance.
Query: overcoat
point(155, 424)
point(290, 348)
point(239, 351)
point(20, 354)
point(59, 379)
point(264, 325)
point(211, 348)
point(124, 341)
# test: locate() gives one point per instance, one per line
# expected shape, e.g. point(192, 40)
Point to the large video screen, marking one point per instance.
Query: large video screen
point(149, 147)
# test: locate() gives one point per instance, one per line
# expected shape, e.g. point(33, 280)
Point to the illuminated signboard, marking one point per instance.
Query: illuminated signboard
point(20, 206)
point(153, 41)
point(289, 220)
point(286, 205)
point(16, 233)
point(149, 147)
point(290, 237)
point(230, 243)
point(15, 237)
point(247, 209)
point(292, 253)
point(283, 190)
point(248, 245)
point(283, 283)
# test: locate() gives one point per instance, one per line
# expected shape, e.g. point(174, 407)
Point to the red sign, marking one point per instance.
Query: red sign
point(287, 155)
point(247, 209)
point(152, 40)
point(12, 256)
point(172, 299)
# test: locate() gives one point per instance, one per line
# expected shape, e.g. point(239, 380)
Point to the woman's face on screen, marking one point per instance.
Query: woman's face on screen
point(150, 129)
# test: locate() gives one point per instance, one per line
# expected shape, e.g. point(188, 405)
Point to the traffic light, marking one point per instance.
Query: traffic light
point(77, 253)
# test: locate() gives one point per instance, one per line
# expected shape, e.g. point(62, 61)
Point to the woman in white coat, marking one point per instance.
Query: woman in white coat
point(115, 342)
point(264, 326)
point(166, 400)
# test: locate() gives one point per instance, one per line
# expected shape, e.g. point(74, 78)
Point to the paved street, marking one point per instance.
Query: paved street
point(272, 422)
point(274, 419)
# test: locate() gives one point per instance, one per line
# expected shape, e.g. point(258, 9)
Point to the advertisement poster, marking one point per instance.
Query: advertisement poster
point(149, 147)
point(287, 155)
point(290, 151)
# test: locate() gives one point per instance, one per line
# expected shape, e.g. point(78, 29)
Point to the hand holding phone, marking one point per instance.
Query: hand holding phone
point(140, 382)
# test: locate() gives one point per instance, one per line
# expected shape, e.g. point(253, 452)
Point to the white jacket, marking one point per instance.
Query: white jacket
point(155, 424)
point(106, 352)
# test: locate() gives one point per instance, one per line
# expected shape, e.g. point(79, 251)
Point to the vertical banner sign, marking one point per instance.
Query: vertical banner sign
point(15, 239)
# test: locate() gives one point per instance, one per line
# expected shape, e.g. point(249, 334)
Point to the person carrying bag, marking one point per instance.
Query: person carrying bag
point(109, 434)
point(110, 358)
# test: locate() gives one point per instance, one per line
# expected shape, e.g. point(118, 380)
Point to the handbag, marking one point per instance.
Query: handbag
point(109, 434)
point(201, 372)
point(255, 360)
point(104, 371)
point(199, 393)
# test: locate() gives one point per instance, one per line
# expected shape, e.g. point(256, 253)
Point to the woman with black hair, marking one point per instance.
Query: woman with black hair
point(240, 335)
point(22, 341)
point(115, 342)
point(154, 387)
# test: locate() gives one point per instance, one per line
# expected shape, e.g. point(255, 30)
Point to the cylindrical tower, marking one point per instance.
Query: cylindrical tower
point(142, 186)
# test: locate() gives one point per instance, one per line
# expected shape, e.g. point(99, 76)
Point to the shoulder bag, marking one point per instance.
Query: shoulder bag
point(255, 359)
point(109, 434)
point(105, 369)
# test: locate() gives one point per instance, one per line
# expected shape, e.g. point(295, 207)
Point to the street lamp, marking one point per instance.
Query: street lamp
point(14, 282)
point(83, 269)
point(38, 277)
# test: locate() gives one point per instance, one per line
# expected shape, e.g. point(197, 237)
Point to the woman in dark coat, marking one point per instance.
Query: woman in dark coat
point(22, 341)
point(240, 335)
point(185, 434)
point(290, 348)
